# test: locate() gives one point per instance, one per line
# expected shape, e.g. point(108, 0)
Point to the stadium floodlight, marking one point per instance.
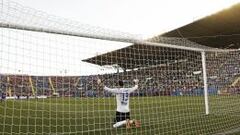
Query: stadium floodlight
point(177, 86)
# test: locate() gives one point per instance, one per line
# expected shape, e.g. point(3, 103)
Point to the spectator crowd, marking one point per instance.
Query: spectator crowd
point(171, 79)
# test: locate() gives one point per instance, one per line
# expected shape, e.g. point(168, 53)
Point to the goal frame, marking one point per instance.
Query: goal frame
point(125, 40)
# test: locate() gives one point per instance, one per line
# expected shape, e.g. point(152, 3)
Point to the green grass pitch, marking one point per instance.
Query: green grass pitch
point(159, 115)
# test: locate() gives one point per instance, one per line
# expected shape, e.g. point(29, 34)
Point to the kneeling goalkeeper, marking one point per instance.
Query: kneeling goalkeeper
point(123, 111)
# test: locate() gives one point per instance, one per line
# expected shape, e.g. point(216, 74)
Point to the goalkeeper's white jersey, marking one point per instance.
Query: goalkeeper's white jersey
point(122, 97)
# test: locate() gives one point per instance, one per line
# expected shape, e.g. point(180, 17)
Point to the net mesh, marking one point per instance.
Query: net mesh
point(223, 76)
point(50, 70)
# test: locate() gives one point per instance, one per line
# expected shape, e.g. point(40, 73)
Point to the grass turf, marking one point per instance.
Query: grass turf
point(159, 115)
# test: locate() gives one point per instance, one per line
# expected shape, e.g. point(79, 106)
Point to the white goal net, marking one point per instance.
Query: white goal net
point(54, 73)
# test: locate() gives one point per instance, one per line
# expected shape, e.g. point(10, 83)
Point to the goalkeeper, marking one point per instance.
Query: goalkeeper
point(123, 111)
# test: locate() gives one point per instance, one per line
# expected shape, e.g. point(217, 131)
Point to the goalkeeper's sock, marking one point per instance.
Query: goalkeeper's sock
point(120, 123)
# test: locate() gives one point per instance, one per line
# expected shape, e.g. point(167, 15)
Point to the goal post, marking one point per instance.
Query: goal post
point(205, 86)
point(53, 72)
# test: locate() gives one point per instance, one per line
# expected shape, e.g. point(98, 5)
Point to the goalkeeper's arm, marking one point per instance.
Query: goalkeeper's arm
point(135, 87)
point(112, 90)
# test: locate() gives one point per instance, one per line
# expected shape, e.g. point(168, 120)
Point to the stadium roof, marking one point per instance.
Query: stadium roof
point(218, 31)
point(138, 55)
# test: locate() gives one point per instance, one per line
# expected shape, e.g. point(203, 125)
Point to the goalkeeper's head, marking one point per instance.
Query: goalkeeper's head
point(120, 83)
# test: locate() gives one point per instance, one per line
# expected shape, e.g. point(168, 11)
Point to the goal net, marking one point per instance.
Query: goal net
point(53, 72)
